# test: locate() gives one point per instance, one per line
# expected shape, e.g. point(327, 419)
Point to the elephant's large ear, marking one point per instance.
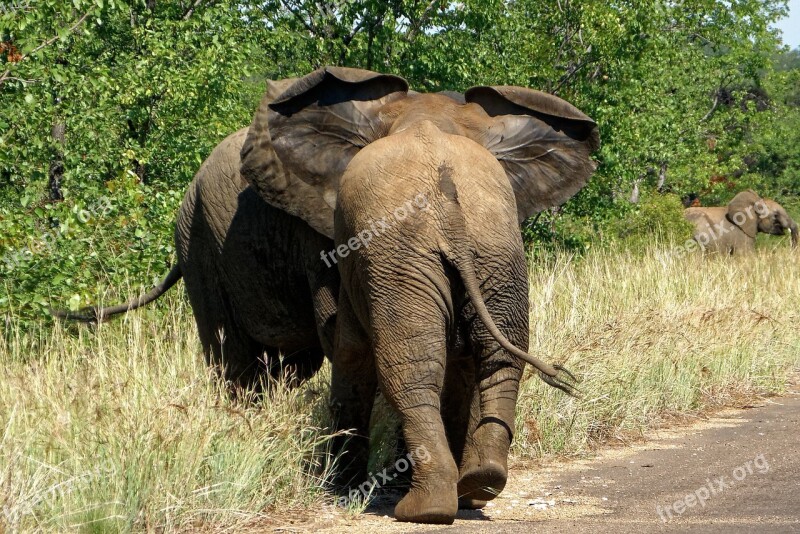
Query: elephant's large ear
point(543, 143)
point(300, 144)
point(276, 88)
point(742, 212)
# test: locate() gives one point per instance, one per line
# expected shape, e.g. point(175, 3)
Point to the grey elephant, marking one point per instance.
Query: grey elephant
point(423, 197)
point(732, 229)
point(253, 271)
point(253, 275)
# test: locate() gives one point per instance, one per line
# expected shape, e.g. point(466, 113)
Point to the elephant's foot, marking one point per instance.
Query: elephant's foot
point(482, 482)
point(484, 469)
point(470, 504)
point(435, 503)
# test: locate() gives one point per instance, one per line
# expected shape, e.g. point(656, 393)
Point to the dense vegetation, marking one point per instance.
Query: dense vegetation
point(109, 106)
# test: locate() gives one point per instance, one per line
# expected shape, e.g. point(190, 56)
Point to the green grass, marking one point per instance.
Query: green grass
point(123, 428)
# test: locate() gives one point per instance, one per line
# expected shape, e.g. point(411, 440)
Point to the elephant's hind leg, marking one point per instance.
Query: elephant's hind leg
point(461, 410)
point(239, 358)
point(483, 470)
point(410, 355)
point(353, 386)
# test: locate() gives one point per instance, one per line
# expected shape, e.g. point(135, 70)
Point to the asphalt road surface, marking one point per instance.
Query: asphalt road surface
point(738, 477)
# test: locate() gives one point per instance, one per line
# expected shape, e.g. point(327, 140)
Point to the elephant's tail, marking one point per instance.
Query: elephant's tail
point(93, 314)
point(554, 375)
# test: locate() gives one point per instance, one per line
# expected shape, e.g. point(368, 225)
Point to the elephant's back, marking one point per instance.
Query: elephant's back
point(704, 218)
point(210, 199)
point(423, 162)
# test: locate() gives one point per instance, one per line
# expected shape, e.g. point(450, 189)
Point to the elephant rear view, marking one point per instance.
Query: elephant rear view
point(732, 229)
point(424, 196)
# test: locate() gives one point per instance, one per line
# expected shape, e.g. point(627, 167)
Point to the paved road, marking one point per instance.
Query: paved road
point(747, 475)
point(737, 472)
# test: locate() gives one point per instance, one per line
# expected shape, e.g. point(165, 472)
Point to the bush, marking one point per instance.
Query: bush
point(656, 215)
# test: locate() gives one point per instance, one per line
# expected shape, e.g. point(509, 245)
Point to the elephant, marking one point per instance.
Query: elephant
point(252, 273)
point(423, 198)
point(732, 229)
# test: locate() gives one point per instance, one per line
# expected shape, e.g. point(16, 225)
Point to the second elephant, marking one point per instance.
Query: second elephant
point(264, 303)
point(732, 229)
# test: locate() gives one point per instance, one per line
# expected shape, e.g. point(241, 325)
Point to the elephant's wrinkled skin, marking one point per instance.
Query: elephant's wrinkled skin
point(732, 229)
point(434, 308)
point(253, 276)
point(252, 273)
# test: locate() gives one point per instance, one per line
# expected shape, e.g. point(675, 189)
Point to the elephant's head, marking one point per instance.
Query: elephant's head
point(755, 214)
point(776, 221)
point(299, 145)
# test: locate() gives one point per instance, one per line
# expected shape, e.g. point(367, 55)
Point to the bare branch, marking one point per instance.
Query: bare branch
point(294, 11)
point(191, 9)
point(713, 108)
point(573, 71)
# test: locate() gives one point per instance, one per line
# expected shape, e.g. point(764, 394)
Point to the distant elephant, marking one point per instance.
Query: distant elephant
point(732, 229)
point(253, 275)
point(424, 197)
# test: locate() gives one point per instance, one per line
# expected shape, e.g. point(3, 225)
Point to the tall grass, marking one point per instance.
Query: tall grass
point(126, 429)
point(123, 428)
point(654, 336)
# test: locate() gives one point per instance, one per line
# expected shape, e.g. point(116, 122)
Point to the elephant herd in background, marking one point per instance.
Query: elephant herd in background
point(433, 309)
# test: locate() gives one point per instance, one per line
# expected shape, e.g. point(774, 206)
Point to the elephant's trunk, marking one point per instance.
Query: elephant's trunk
point(793, 230)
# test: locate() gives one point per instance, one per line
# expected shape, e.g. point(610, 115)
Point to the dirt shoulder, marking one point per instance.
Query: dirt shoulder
point(738, 471)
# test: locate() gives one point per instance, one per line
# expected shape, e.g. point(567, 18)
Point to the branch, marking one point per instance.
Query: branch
point(191, 9)
point(297, 15)
point(348, 38)
point(7, 74)
point(713, 108)
point(415, 29)
point(567, 77)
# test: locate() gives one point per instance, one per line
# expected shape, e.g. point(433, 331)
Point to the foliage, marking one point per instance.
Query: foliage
point(116, 102)
point(655, 215)
point(143, 92)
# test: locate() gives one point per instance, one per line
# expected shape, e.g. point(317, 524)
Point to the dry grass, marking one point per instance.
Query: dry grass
point(124, 428)
point(653, 338)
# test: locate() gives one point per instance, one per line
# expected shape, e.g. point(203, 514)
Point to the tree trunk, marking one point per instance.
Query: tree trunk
point(56, 173)
point(662, 177)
